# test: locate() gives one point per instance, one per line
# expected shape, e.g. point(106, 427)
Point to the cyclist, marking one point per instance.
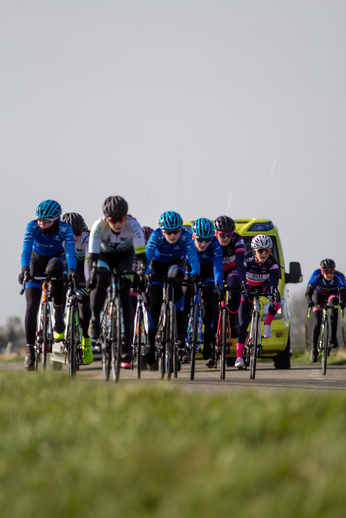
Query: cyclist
point(147, 233)
point(261, 269)
point(81, 240)
point(116, 240)
point(326, 285)
point(209, 254)
point(233, 250)
point(165, 251)
point(48, 248)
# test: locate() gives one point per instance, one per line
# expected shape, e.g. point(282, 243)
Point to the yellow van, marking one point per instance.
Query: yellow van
point(278, 346)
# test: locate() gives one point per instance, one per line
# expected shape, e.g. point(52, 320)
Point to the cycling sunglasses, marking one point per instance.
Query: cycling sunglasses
point(225, 234)
point(46, 220)
point(176, 231)
point(121, 219)
point(328, 271)
point(77, 233)
point(263, 250)
point(203, 239)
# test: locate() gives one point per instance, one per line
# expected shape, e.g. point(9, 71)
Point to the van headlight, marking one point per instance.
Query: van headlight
point(279, 314)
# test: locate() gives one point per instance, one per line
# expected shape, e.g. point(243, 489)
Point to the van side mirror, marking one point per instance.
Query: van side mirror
point(295, 274)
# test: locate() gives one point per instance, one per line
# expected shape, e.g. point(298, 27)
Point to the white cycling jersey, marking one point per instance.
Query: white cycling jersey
point(104, 240)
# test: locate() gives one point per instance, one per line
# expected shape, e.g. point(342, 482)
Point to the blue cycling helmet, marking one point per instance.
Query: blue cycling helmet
point(170, 220)
point(203, 227)
point(48, 209)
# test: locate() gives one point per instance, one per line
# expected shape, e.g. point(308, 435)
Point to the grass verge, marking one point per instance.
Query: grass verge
point(73, 449)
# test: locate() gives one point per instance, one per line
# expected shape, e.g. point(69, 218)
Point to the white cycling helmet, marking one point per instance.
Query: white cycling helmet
point(261, 241)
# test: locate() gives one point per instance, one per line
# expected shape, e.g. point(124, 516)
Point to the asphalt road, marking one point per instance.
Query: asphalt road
point(302, 377)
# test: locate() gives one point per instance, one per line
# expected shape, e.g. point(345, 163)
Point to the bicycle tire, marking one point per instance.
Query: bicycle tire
point(159, 344)
point(324, 350)
point(169, 341)
point(37, 357)
point(194, 341)
point(72, 367)
point(45, 337)
point(253, 345)
point(139, 340)
point(175, 353)
point(224, 344)
point(116, 340)
point(106, 352)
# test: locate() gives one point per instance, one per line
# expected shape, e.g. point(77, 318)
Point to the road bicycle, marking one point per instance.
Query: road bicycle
point(44, 334)
point(73, 336)
point(195, 335)
point(168, 349)
point(112, 329)
point(324, 345)
point(253, 343)
point(141, 330)
point(223, 341)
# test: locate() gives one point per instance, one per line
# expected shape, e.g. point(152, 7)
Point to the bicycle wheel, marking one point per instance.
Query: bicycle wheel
point(194, 341)
point(169, 341)
point(71, 344)
point(253, 345)
point(160, 342)
point(224, 344)
point(116, 340)
point(324, 349)
point(105, 344)
point(175, 350)
point(139, 340)
point(45, 329)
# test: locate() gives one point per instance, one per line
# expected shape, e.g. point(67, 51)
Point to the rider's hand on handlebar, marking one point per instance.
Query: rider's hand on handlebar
point(72, 276)
point(141, 280)
point(24, 274)
point(195, 278)
point(219, 293)
point(310, 303)
point(342, 305)
point(244, 288)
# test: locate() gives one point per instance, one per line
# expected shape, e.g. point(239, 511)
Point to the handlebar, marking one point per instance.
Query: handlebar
point(326, 306)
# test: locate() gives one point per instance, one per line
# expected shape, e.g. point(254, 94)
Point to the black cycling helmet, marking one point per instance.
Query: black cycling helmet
point(75, 220)
point(224, 224)
point(147, 232)
point(327, 264)
point(115, 207)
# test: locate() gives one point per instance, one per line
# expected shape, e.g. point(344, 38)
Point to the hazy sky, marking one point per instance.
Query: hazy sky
point(175, 105)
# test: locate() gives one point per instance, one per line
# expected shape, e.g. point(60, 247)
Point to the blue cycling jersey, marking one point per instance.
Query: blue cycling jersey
point(159, 249)
point(213, 253)
point(36, 241)
point(327, 287)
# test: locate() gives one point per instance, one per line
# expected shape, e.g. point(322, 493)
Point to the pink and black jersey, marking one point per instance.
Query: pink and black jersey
point(266, 274)
point(233, 256)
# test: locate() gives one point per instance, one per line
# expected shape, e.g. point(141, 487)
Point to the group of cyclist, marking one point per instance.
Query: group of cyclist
point(212, 255)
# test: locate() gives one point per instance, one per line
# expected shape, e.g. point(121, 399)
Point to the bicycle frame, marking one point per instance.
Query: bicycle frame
point(195, 334)
point(223, 334)
point(253, 344)
point(141, 330)
point(112, 326)
point(166, 335)
point(73, 337)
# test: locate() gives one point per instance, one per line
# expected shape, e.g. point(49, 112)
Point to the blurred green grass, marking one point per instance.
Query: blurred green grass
point(73, 449)
point(335, 358)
